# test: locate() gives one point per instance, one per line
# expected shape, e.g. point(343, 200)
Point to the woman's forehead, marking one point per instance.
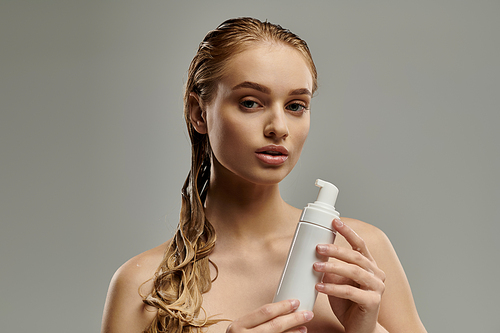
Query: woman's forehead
point(269, 65)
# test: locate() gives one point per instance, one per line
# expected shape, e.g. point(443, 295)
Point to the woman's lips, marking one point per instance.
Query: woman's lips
point(272, 154)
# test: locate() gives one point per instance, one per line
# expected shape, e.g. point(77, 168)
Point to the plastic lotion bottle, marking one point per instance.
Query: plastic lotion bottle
point(299, 278)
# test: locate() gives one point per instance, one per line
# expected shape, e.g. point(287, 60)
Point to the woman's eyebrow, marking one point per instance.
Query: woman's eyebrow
point(253, 85)
point(266, 90)
point(301, 91)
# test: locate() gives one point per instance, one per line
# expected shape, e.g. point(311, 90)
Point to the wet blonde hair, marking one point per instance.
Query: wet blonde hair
point(184, 274)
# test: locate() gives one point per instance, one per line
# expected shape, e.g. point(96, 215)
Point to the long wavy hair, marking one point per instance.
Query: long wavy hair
point(184, 274)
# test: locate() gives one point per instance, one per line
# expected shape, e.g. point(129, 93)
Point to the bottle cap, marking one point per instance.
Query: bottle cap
point(322, 211)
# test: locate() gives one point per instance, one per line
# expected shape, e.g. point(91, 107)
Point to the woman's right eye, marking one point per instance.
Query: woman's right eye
point(249, 104)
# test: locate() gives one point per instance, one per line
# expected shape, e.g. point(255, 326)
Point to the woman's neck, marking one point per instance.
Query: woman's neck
point(242, 210)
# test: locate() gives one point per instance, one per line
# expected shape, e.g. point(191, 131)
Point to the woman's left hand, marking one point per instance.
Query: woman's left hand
point(353, 282)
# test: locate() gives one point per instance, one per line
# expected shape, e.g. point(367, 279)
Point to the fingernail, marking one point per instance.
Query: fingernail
point(338, 223)
point(308, 315)
point(295, 303)
point(321, 248)
point(303, 329)
point(320, 287)
point(319, 265)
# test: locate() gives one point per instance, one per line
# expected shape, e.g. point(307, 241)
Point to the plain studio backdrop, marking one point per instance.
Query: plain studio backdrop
point(94, 149)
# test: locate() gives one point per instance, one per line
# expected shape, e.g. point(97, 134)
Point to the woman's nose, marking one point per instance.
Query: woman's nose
point(276, 125)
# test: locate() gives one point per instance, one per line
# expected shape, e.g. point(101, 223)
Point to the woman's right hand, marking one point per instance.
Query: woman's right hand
point(273, 318)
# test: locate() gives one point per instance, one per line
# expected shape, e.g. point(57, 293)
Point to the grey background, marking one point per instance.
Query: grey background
point(94, 151)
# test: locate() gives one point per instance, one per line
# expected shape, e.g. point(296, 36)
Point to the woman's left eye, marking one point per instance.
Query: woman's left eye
point(296, 107)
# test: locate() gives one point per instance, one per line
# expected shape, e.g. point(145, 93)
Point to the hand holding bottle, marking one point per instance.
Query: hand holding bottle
point(353, 282)
point(273, 318)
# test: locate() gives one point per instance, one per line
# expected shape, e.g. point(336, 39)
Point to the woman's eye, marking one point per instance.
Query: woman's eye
point(249, 104)
point(296, 107)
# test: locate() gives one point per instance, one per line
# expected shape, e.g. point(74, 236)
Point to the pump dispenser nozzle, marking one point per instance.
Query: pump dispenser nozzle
point(322, 211)
point(327, 193)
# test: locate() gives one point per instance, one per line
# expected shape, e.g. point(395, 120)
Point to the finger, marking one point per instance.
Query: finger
point(367, 299)
point(301, 329)
point(357, 243)
point(365, 279)
point(346, 255)
point(268, 312)
point(285, 322)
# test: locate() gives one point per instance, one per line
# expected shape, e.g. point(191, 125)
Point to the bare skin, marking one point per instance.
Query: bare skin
point(241, 279)
point(264, 101)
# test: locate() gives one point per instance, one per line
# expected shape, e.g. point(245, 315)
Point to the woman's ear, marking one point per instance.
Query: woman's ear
point(197, 114)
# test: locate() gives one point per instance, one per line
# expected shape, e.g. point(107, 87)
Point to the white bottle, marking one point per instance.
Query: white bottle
point(299, 278)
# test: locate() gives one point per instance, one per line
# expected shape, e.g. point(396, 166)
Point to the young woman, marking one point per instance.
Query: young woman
point(247, 109)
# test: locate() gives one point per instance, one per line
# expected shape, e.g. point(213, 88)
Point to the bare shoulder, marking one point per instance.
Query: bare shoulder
point(377, 243)
point(375, 239)
point(363, 228)
point(124, 310)
point(141, 267)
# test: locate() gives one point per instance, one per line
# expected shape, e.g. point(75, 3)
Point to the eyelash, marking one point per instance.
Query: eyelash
point(301, 105)
point(248, 101)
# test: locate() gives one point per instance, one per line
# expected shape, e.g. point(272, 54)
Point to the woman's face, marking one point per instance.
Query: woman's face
point(259, 119)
